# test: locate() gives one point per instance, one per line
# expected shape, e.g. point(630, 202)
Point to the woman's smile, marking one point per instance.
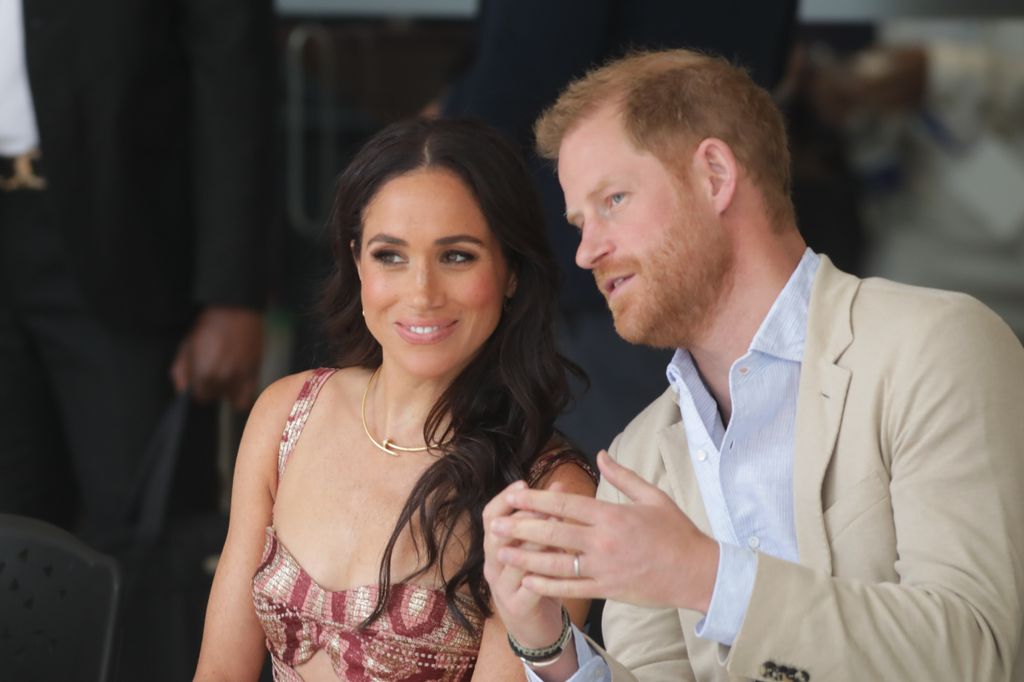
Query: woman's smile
point(426, 332)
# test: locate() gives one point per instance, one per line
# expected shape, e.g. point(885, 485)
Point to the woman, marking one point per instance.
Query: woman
point(364, 534)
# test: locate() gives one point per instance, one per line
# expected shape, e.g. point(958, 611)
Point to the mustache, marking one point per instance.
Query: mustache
point(608, 269)
point(616, 268)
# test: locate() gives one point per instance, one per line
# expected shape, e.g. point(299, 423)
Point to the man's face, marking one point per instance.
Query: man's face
point(658, 253)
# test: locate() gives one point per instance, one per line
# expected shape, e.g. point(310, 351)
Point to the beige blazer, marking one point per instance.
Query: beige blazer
point(908, 491)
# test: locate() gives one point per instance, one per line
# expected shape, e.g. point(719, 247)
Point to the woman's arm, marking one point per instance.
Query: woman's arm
point(233, 639)
point(496, 661)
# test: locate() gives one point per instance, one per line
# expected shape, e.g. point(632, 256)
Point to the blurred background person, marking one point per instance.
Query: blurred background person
point(135, 161)
point(136, 189)
point(826, 190)
point(933, 114)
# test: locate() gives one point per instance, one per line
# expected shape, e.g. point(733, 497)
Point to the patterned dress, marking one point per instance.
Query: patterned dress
point(416, 639)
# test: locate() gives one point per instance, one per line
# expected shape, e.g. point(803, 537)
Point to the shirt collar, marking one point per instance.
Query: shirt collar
point(782, 332)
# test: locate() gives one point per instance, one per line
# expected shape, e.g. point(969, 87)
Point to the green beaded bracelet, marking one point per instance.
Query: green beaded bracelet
point(539, 658)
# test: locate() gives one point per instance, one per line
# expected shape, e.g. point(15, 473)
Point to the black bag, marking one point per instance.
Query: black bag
point(168, 563)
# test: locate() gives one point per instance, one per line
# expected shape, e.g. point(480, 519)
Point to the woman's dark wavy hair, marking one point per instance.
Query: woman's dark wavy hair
point(498, 414)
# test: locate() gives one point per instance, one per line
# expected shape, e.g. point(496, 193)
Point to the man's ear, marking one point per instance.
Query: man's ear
point(716, 172)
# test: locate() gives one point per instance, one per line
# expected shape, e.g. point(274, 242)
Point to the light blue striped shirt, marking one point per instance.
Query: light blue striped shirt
point(744, 471)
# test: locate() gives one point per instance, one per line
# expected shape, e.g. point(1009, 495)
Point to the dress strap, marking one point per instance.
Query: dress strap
point(561, 453)
point(300, 413)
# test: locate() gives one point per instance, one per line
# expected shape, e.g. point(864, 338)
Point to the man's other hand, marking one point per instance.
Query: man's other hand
point(647, 553)
point(220, 356)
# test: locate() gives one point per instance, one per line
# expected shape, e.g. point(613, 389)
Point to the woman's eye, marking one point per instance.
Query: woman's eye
point(387, 257)
point(458, 257)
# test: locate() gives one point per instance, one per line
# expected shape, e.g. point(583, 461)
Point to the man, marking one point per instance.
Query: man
point(134, 185)
point(829, 490)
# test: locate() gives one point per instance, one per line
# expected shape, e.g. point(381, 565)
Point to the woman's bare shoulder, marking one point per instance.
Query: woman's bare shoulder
point(270, 414)
point(563, 463)
point(267, 421)
point(571, 477)
point(281, 394)
point(277, 400)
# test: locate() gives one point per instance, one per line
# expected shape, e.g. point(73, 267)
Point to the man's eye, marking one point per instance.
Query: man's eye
point(617, 198)
point(457, 257)
point(387, 257)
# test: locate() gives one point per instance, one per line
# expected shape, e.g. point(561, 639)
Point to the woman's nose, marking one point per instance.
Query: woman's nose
point(428, 291)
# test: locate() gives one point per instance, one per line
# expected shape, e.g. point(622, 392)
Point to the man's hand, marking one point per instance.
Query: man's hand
point(647, 553)
point(220, 356)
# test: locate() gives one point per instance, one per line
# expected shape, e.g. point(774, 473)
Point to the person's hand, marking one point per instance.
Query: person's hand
point(647, 553)
point(533, 620)
point(220, 356)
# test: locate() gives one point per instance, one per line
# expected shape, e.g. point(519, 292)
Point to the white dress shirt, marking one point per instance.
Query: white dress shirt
point(18, 132)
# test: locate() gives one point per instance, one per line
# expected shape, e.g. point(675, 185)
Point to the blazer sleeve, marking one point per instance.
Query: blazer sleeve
point(228, 45)
point(644, 644)
point(948, 421)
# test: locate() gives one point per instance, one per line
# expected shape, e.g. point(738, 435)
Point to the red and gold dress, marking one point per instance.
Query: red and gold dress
point(416, 639)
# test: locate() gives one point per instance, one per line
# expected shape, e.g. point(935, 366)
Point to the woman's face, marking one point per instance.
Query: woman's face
point(433, 274)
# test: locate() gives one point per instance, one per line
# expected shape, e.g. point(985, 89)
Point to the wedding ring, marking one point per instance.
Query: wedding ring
point(576, 565)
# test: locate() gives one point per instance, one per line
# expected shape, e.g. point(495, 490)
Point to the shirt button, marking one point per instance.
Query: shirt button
point(753, 542)
point(744, 370)
point(701, 455)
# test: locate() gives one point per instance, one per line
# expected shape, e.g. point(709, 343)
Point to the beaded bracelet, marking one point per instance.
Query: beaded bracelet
point(539, 658)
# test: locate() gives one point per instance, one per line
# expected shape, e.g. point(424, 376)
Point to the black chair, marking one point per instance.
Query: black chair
point(58, 605)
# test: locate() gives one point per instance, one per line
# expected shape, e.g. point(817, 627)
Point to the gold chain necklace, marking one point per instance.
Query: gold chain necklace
point(387, 446)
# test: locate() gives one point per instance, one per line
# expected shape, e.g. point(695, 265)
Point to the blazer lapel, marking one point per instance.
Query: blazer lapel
point(675, 455)
point(820, 404)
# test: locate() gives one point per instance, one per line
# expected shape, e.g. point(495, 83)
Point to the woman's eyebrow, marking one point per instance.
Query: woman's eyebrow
point(454, 239)
point(387, 239)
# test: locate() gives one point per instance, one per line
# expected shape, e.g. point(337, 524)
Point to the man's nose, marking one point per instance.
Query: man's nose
point(594, 244)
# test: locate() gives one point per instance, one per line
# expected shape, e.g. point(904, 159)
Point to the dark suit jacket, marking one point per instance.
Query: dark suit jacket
point(155, 119)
